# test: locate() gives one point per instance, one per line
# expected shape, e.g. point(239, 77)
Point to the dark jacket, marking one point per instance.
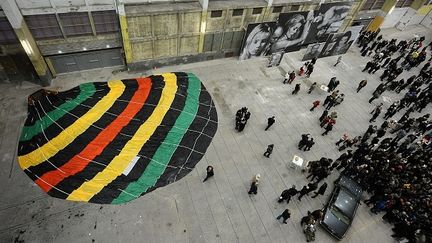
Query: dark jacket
point(322, 189)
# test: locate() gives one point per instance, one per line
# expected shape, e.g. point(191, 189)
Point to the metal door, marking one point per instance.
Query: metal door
point(87, 60)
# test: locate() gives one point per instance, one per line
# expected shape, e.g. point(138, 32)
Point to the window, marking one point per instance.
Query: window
point(378, 4)
point(43, 26)
point(237, 12)
point(7, 34)
point(216, 14)
point(399, 3)
point(75, 24)
point(407, 3)
point(257, 11)
point(277, 9)
point(295, 7)
point(105, 21)
point(368, 4)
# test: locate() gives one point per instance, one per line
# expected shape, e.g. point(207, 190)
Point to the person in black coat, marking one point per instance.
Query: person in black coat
point(306, 189)
point(253, 188)
point(210, 172)
point(321, 190)
point(287, 194)
point(284, 215)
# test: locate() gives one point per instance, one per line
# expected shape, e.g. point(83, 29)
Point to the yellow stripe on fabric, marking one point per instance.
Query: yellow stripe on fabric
point(116, 167)
point(68, 135)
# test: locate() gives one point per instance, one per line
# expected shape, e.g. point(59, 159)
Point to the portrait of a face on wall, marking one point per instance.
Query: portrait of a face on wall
point(337, 44)
point(328, 19)
point(313, 50)
point(256, 40)
point(290, 32)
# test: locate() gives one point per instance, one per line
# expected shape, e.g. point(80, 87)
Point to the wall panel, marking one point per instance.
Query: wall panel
point(165, 24)
point(139, 26)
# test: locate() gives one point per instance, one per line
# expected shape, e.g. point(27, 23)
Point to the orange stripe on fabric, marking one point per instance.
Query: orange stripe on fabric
point(97, 145)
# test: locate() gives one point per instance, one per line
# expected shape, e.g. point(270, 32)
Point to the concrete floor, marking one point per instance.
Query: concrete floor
point(219, 210)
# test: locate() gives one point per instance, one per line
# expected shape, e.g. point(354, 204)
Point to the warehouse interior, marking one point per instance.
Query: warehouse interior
point(60, 44)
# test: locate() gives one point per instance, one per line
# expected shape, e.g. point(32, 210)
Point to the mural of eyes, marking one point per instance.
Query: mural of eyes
point(112, 142)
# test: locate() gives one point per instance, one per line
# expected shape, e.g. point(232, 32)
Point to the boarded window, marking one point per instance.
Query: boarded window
point(216, 14)
point(75, 24)
point(400, 3)
point(44, 26)
point(378, 4)
point(105, 22)
point(237, 12)
point(277, 9)
point(408, 3)
point(368, 4)
point(295, 7)
point(257, 11)
point(7, 34)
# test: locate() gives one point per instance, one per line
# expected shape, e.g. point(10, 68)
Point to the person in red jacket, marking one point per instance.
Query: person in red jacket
point(315, 105)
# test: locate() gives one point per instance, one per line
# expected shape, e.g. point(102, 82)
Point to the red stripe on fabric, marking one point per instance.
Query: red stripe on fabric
point(97, 145)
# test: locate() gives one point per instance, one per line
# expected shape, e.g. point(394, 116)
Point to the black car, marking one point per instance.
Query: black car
point(341, 207)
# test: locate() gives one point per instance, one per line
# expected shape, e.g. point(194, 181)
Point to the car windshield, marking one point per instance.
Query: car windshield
point(338, 214)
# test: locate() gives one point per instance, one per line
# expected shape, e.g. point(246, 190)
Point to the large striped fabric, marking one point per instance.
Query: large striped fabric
point(113, 142)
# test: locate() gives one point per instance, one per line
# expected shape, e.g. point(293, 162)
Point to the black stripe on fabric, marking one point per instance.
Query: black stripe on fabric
point(79, 142)
point(112, 190)
point(192, 140)
point(69, 184)
point(114, 147)
point(69, 94)
point(53, 130)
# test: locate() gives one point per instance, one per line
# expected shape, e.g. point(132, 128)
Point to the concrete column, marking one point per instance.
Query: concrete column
point(27, 41)
point(379, 19)
point(124, 31)
point(203, 24)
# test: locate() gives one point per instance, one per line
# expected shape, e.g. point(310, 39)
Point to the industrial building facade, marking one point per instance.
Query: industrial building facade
point(44, 38)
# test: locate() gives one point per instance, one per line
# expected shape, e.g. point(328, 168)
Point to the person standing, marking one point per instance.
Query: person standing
point(254, 185)
point(309, 70)
point(286, 78)
point(269, 150)
point(376, 112)
point(307, 189)
point(296, 89)
point(321, 190)
point(328, 128)
point(309, 144)
point(303, 141)
point(210, 172)
point(287, 194)
point(270, 122)
point(312, 87)
point(339, 59)
point(342, 139)
point(292, 76)
point(361, 85)
point(285, 215)
point(323, 115)
point(315, 104)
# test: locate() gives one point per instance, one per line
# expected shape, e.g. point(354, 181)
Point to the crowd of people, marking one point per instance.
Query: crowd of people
point(392, 162)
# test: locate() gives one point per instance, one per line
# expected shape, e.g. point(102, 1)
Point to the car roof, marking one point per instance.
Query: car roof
point(346, 203)
point(352, 186)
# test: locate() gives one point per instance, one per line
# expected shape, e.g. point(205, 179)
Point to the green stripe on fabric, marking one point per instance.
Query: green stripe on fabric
point(28, 132)
point(165, 151)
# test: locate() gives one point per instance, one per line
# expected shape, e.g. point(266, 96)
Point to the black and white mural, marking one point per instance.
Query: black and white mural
point(290, 32)
point(256, 40)
point(296, 29)
point(339, 43)
point(328, 19)
point(313, 50)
